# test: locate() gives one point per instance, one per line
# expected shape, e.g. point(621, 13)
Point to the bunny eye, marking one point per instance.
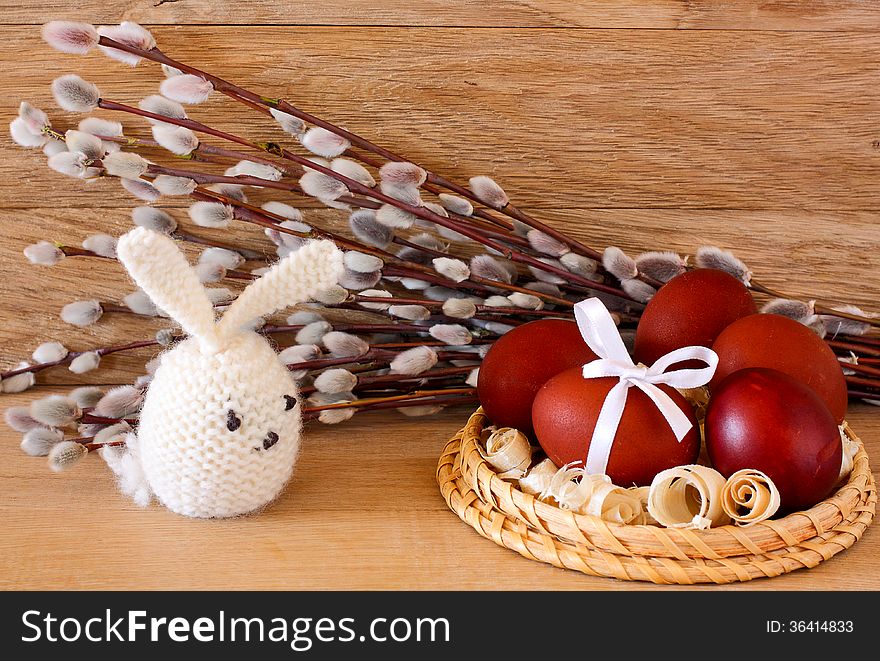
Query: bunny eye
point(233, 422)
point(289, 402)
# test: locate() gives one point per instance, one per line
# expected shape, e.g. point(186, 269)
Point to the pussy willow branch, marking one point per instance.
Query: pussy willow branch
point(393, 262)
point(255, 101)
point(366, 191)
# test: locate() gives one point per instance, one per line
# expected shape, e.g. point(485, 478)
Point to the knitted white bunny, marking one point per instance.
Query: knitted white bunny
point(219, 429)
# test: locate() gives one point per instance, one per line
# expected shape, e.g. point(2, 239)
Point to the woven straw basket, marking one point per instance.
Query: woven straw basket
point(499, 511)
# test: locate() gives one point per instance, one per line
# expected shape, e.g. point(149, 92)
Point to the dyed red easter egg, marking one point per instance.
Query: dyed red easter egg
point(770, 340)
point(565, 412)
point(764, 419)
point(691, 309)
point(521, 361)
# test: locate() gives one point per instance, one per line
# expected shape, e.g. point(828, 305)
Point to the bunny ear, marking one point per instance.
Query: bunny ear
point(298, 277)
point(161, 270)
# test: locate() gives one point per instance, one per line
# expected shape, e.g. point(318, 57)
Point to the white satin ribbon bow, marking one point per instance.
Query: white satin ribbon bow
point(601, 335)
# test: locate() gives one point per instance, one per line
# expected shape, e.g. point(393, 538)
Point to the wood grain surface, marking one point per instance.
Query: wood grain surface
point(649, 125)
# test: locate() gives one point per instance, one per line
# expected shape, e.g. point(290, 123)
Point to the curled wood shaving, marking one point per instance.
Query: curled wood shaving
point(850, 449)
point(687, 497)
point(749, 496)
point(508, 451)
point(642, 494)
point(573, 489)
point(538, 478)
point(613, 503)
point(698, 398)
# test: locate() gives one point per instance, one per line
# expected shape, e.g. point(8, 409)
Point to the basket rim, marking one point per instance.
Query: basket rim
point(648, 540)
point(515, 534)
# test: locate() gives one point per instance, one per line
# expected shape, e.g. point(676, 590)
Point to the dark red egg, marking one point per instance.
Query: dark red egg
point(770, 340)
point(521, 361)
point(764, 419)
point(691, 309)
point(565, 412)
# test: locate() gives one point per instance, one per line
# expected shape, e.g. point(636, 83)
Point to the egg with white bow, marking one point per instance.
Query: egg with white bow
point(618, 418)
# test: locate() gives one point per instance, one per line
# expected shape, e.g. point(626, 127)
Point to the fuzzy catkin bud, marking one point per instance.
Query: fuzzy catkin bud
point(98, 126)
point(19, 419)
point(352, 170)
point(344, 345)
point(375, 293)
point(74, 94)
point(86, 396)
point(85, 143)
point(154, 219)
point(211, 214)
point(159, 105)
point(130, 34)
point(23, 136)
point(331, 295)
point(322, 186)
point(253, 169)
point(489, 192)
point(313, 333)
point(288, 123)
point(367, 229)
point(38, 442)
point(456, 204)
point(638, 290)
point(460, 308)
point(546, 244)
point(82, 313)
point(187, 89)
point(710, 257)
point(409, 195)
point(414, 361)
point(125, 164)
point(71, 164)
point(85, 362)
point(335, 381)
point(454, 269)
point(65, 454)
point(410, 312)
point(49, 352)
point(451, 334)
point(19, 382)
point(70, 37)
point(487, 267)
point(399, 173)
point(178, 140)
point(526, 301)
point(362, 262)
point(394, 218)
point(323, 143)
point(358, 280)
point(799, 311)
point(120, 402)
point(54, 410)
point(619, 264)
point(662, 266)
point(143, 190)
point(43, 254)
point(174, 186)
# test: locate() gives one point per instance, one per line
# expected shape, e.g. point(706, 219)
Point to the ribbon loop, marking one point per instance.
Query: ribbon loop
point(601, 335)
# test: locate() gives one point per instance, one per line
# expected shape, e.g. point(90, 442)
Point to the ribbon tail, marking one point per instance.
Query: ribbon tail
point(678, 421)
point(606, 429)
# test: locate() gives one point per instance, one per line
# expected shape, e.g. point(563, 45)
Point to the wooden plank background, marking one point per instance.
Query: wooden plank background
point(649, 125)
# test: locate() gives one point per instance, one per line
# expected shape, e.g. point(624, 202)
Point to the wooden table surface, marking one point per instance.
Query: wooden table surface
point(650, 125)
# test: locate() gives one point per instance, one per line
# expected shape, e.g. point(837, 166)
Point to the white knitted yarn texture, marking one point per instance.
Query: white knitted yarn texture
point(219, 430)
